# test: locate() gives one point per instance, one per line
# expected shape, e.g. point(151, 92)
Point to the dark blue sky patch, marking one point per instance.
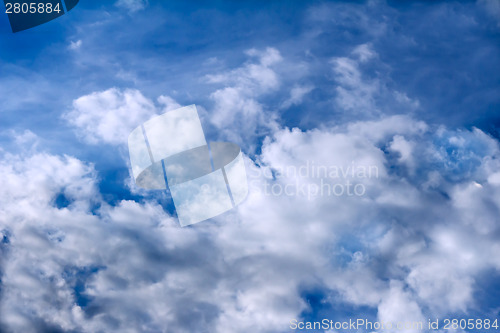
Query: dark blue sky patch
point(78, 278)
point(487, 295)
point(61, 201)
point(327, 304)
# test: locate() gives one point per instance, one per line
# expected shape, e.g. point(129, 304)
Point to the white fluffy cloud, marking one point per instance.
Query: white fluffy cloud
point(109, 116)
point(237, 111)
point(238, 114)
point(70, 261)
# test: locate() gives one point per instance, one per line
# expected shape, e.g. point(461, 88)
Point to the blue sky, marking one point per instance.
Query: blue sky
point(411, 88)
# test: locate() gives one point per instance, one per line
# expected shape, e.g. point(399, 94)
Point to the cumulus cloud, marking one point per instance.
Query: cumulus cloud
point(127, 267)
point(109, 116)
point(442, 263)
point(399, 307)
point(237, 110)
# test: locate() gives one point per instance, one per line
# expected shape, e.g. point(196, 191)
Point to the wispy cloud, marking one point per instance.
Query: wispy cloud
point(132, 5)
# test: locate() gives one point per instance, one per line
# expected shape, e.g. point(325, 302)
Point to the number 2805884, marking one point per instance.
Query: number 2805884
point(31, 8)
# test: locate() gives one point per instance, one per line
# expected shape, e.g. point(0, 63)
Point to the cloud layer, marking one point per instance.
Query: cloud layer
point(74, 263)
